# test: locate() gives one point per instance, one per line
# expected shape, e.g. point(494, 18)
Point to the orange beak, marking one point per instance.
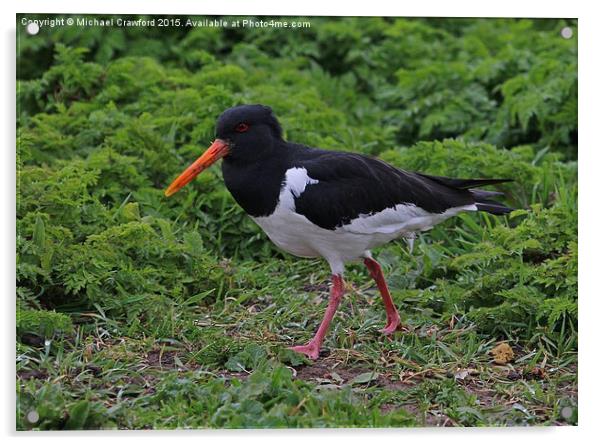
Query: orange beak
point(218, 150)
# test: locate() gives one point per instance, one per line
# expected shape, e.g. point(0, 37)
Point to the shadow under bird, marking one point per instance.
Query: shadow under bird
point(330, 204)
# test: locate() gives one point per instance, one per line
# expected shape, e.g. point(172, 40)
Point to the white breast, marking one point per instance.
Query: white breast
point(286, 228)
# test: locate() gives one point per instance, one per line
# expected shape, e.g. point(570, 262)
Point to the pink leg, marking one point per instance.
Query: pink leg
point(312, 349)
point(393, 320)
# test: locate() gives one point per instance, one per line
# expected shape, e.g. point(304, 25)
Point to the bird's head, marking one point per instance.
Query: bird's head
point(248, 128)
point(243, 134)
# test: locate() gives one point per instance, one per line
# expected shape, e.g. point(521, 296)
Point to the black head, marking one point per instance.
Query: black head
point(249, 130)
point(244, 135)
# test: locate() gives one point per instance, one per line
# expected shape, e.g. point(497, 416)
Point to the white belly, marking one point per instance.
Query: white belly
point(297, 235)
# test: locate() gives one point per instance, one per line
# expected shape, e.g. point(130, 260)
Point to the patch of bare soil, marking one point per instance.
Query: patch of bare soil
point(159, 358)
point(318, 287)
point(328, 369)
point(427, 419)
point(482, 390)
point(27, 374)
point(334, 372)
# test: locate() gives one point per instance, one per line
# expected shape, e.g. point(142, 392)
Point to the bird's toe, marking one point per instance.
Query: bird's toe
point(392, 326)
point(310, 350)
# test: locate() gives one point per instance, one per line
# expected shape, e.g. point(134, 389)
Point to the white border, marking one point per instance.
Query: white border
point(437, 8)
point(589, 152)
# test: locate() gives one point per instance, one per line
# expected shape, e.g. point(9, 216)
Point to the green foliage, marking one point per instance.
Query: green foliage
point(507, 82)
point(510, 74)
point(516, 278)
point(453, 401)
point(57, 411)
point(534, 174)
point(43, 323)
point(268, 398)
point(79, 247)
point(249, 358)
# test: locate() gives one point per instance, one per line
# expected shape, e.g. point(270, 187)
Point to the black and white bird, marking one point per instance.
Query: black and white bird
point(330, 204)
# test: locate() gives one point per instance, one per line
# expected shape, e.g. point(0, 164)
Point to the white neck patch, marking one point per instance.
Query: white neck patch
point(295, 181)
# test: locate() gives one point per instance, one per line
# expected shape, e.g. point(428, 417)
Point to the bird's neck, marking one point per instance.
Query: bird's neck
point(256, 185)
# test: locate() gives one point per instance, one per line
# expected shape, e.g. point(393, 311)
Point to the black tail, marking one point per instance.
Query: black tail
point(482, 197)
point(485, 204)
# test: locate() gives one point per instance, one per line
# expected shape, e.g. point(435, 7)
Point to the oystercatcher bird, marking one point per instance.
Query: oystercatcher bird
point(330, 204)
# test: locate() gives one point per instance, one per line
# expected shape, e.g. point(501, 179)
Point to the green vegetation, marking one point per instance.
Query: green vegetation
point(137, 311)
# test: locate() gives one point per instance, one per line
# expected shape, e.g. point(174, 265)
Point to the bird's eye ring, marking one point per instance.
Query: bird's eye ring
point(241, 128)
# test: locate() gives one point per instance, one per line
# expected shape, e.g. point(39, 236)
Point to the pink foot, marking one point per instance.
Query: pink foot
point(311, 350)
point(392, 325)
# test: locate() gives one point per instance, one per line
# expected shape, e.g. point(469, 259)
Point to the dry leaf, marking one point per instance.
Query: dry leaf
point(366, 377)
point(337, 378)
point(502, 354)
point(461, 374)
point(538, 373)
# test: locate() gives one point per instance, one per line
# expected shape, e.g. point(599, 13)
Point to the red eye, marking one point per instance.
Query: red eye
point(241, 128)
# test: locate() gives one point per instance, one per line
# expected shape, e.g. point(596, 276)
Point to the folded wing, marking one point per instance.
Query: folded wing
point(357, 193)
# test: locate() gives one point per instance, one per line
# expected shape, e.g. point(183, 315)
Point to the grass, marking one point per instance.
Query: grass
point(225, 364)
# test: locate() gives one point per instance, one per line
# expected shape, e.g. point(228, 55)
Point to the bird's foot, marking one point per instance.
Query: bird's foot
point(311, 350)
point(393, 324)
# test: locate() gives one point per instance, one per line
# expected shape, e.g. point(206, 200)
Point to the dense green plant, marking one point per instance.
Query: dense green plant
point(269, 398)
point(508, 82)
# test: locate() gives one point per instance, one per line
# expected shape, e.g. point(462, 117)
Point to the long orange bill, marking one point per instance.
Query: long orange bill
point(218, 150)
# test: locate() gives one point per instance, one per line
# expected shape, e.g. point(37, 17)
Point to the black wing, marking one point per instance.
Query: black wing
point(352, 184)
